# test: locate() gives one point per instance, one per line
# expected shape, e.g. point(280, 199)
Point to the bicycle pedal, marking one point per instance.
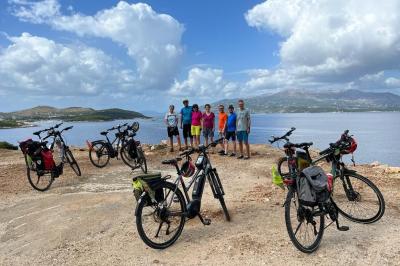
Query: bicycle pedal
point(343, 228)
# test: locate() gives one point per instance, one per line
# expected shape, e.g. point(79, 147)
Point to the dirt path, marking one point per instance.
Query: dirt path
point(90, 220)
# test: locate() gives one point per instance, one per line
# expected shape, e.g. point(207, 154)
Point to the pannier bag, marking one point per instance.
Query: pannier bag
point(148, 182)
point(313, 186)
point(47, 158)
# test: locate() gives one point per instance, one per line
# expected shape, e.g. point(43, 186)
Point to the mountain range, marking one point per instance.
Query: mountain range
point(305, 101)
point(70, 114)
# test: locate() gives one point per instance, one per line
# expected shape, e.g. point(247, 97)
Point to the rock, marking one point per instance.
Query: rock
point(164, 142)
point(152, 148)
point(375, 163)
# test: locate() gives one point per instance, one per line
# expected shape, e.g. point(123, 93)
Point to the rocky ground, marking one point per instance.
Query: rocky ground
point(89, 220)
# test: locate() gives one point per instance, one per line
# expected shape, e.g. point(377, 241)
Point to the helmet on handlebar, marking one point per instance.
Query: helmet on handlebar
point(351, 146)
point(188, 169)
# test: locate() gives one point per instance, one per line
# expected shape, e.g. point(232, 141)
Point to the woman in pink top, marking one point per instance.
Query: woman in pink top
point(196, 124)
point(208, 124)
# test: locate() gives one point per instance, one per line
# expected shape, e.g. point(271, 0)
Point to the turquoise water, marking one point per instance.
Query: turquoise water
point(377, 133)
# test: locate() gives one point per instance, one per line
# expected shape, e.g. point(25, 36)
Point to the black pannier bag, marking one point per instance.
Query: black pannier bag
point(312, 186)
point(150, 183)
point(33, 150)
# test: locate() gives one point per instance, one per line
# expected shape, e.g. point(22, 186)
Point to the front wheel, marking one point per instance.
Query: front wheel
point(160, 224)
point(283, 167)
point(72, 162)
point(305, 225)
point(142, 160)
point(218, 191)
point(99, 154)
point(358, 199)
point(126, 157)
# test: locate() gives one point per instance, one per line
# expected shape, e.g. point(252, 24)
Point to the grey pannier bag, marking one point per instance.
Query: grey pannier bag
point(312, 186)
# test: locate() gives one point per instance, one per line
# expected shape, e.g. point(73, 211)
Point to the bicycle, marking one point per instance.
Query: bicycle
point(355, 198)
point(170, 212)
point(34, 151)
point(124, 144)
point(309, 215)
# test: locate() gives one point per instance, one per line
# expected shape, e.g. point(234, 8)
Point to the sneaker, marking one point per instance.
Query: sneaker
point(240, 157)
point(171, 150)
point(246, 158)
point(232, 154)
point(221, 151)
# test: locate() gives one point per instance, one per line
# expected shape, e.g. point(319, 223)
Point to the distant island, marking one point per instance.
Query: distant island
point(306, 101)
point(26, 117)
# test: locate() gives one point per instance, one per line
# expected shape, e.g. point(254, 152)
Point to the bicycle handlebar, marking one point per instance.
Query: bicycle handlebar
point(287, 134)
point(201, 148)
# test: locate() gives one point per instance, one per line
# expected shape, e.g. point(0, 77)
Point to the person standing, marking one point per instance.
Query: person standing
point(243, 124)
point(186, 123)
point(230, 131)
point(196, 124)
point(208, 124)
point(222, 117)
point(171, 120)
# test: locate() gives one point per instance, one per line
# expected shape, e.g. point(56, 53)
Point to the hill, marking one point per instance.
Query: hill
point(305, 101)
point(70, 114)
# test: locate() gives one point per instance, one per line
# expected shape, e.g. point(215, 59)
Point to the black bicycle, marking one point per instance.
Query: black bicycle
point(160, 220)
point(357, 198)
point(41, 168)
point(124, 145)
point(305, 224)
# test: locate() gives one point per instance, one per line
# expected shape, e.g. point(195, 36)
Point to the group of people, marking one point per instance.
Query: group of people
point(232, 126)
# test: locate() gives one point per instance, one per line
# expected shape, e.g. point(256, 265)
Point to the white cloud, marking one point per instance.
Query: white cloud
point(331, 42)
point(152, 40)
point(34, 66)
point(206, 84)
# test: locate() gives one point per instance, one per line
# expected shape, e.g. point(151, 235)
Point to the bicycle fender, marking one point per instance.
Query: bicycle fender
point(139, 201)
point(348, 171)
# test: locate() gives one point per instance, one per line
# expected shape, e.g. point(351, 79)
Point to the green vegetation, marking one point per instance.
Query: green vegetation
point(9, 123)
point(7, 146)
point(70, 114)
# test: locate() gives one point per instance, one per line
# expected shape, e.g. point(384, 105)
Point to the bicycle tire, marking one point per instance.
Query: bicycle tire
point(102, 146)
point(281, 162)
point(142, 160)
point(219, 191)
point(292, 235)
point(376, 216)
point(143, 203)
point(126, 158)
point(72, 162)
point(35, 184)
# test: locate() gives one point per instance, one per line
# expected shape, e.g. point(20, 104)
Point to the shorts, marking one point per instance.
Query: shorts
point(242, 136)
point(172, 131)
point(195, 130)
point(230, 135)
point(208, 132)
point(186, 130)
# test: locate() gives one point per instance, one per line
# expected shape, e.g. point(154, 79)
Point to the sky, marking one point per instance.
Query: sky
point(146, 55)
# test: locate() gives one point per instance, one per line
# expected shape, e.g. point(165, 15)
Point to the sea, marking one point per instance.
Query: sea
point(377, 133)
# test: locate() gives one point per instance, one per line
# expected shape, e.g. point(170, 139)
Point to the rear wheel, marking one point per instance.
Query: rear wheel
point(283, 167)
point(358, 199)
point(304, 227)
point(72, 162)
point(160, 224)
point(99, 154)
point(39, 181)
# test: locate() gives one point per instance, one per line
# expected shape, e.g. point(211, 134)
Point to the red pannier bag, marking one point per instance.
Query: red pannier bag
point(48, 160)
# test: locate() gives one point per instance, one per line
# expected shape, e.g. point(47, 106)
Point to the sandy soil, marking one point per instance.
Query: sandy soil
point(90, 220)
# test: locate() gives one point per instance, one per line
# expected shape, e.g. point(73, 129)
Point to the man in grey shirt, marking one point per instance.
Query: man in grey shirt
point(243, 129)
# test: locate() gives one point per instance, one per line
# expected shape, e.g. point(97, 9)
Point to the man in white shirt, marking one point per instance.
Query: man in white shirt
point(171, 119)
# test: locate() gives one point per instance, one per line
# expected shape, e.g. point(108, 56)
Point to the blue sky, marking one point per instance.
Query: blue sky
point(146, 55)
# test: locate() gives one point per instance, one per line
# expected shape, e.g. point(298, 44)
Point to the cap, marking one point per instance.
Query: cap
point(231, 106)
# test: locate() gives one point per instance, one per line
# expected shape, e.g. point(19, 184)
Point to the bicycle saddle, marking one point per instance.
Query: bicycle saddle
point(104, 133)
point(171, 161)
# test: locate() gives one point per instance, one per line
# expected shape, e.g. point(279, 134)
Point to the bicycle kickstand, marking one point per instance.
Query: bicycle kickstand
point(341, 228)
point(204, 221)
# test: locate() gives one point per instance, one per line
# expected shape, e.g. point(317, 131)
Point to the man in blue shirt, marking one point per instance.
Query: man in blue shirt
point(186, 123)
point(230, 130)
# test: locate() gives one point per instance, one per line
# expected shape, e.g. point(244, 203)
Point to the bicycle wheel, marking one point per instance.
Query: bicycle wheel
point(99, 154)
point(40, 182)
point(159, 225)
point(304, 226)
point(126, 157)
point(358, 199)
point(72, 162)
point(219, 192)
point(142, 160)
point(283, 167)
